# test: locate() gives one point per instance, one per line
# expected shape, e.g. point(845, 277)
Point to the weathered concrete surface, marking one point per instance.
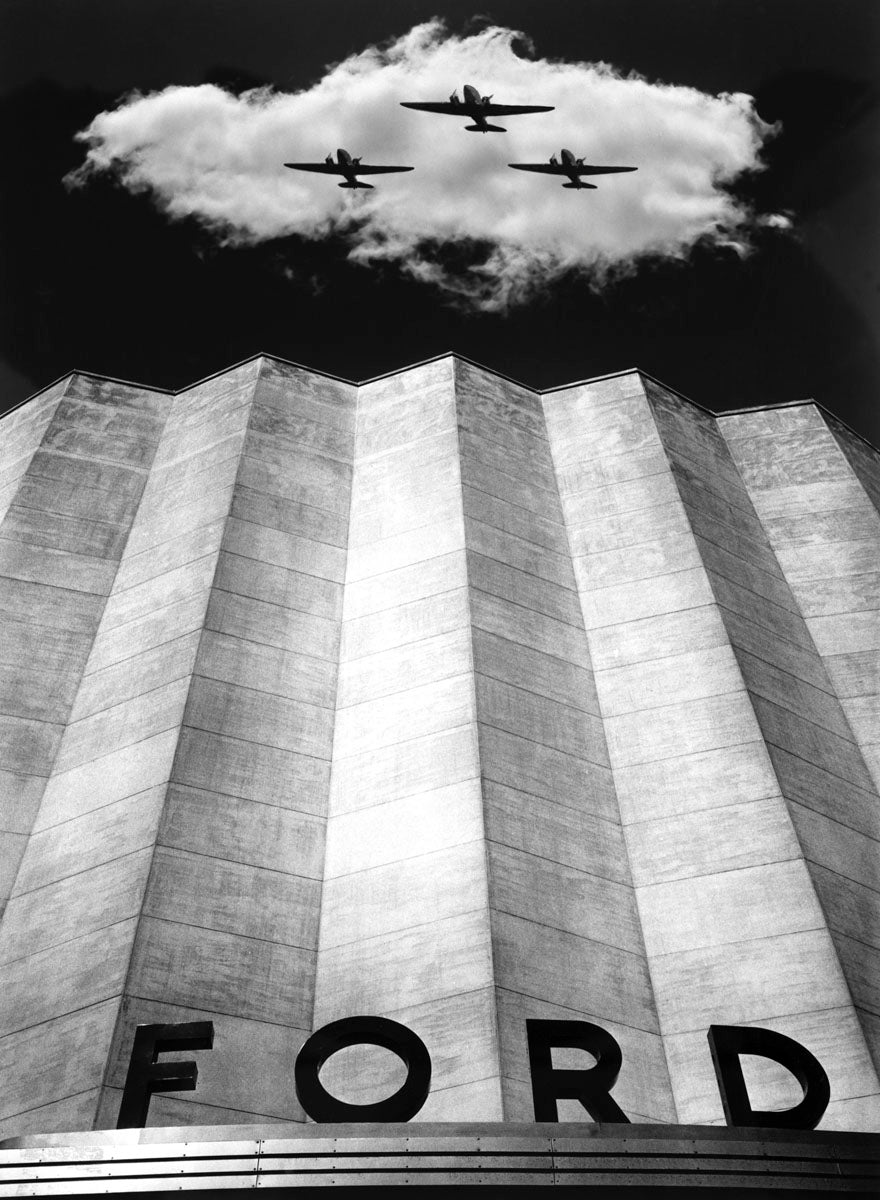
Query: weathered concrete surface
point(704, 669)
point(73, 464)
point(543, 670)
point(815, 487)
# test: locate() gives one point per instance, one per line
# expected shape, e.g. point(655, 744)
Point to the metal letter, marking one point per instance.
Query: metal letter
point(146, 1076)
point(592, 1086)
point(353, 1031)
point(728, 1042)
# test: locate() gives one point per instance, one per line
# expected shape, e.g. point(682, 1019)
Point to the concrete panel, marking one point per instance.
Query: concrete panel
point(527, 715)
point(55, 607)
point(244, 831)
point(817, 745)
point(815, 704)
point(301, 522)
point(674, 680)
point(427, 661)
point(414, 713)
point(70, 908)
point(567, 835)
point(416, 582)
point(748, 981)
point(309, 479)
point(71, 535)
point(712, 911)
point(137, 602)
point(40, 695)
point(440, 536)
point(627, 529)
point(562, 897)
point(392, 830)
point(848, 852)
point(74, 1069)
point(249, 1069)
point(643, 1086)
point(409, 967)
point(114, 831)
point(126, 772)
point(405, 769)
point(542, 771)
point(239, 976)
point(382, 900)
point(19, 800)
point(375, 479)
point(231, 897)
point(252, 716)
point(718, 839)
point(28, 645)
point(850, 907)
point(499, 483)
point(184, 519)
point(525, 626)
point(135, 676)
point(123, 725)
point(164, 625)
point(509, 583)
point(681, 729)
point(664, 555)
point(459, 1032)
point(251, 771)
point(279, 585)
point(438, 613)
point(807, 783)
point(93, 969)
point(632, 601)
point(833, 1036)
point(272, 432)
point(657, 637)
point(527, 524)
point(28, 745)
point(271, 624)
point(544, 674)
point(78, 572)
point(575, 972)
point(516, 552)
point(234, 660)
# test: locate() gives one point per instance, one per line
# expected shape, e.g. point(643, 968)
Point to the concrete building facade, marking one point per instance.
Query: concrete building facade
point(441, 699)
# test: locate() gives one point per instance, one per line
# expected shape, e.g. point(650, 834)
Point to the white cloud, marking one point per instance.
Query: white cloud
point(204, 153)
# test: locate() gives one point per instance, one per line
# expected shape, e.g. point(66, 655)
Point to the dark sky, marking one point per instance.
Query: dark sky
point(98, 280)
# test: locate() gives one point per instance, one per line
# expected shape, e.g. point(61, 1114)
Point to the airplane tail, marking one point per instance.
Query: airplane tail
point(485, 128)
point(355, 184)
point(580, 185)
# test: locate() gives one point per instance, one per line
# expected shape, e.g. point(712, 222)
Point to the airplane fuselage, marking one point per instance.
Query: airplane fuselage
point(569, 161)
point(472, 106)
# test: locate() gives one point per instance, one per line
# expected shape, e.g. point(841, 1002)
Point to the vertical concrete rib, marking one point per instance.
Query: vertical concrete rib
point(174, 861)
point(404, 922)
point(565, 933)
point(62, 541)
point(694, 635)
point(815, 488)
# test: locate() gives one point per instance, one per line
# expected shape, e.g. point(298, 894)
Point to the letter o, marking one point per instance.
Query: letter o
point(353, 1031)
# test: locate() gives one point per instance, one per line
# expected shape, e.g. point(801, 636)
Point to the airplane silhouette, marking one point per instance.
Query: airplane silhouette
point(347, 166)
point(570, 166)
point(477, 108)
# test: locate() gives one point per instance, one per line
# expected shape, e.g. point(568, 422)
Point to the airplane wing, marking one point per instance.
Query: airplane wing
point(559, 169)
point(455, 110)
point(486, 110)
point(512, 110)
point(587, 169)
point(360, 170)
point(321, 168)
point(544, 168)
